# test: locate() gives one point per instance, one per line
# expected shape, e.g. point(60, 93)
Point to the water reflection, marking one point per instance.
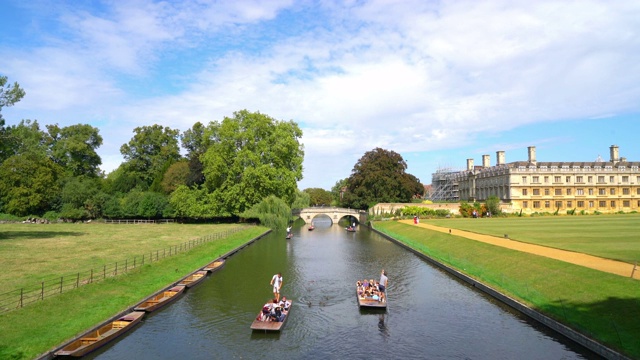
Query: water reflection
point(429, 315)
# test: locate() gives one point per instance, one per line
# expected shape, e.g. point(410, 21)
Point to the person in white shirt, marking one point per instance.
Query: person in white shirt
point(276, 281)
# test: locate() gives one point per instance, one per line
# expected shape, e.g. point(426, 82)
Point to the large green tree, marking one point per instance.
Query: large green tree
point(74, 148)
point(9, 95)
point(196, 143)
point(148, 152)
point(28, 184)
point(380, 176)
point(24, 137)
point(251, 156)
point(318, 196)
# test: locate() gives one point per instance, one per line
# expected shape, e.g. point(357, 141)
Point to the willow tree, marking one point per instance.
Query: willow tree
point(249, 157)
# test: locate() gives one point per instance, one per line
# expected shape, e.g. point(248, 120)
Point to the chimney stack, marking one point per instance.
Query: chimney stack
point(486, 162)
point(613, 150)
point(500, 156)
point(532, 154)
point(469, 164)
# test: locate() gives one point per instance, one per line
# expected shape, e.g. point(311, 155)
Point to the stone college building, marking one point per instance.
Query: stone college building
point(535, 186)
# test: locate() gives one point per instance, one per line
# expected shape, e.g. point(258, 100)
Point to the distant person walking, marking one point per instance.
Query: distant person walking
point(276, 281)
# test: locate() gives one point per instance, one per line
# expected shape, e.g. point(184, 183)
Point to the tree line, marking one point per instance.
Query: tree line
point(236, 167)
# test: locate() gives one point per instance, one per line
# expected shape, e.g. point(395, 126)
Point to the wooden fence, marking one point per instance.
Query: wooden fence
point(55, 285)
point(138, 221)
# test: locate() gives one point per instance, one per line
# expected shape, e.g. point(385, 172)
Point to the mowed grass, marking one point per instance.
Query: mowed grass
point(32, 253)
point(30, 331)
point(602, 306)
point(614, 237)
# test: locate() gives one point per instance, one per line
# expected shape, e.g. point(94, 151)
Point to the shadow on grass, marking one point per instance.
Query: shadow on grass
point(614, 321)
point(36, 235)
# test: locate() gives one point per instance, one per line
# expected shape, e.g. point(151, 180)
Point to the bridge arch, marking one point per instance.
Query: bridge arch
point(334, 213)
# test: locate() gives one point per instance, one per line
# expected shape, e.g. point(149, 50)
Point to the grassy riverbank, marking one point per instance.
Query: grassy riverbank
point(35, 329)
point(602, 306)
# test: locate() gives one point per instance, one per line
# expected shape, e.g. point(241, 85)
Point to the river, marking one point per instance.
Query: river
point(430, 315)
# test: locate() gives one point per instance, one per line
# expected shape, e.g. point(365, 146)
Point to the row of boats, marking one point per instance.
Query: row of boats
point(106, 333)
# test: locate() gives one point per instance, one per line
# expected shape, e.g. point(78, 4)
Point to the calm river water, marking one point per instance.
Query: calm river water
point(430, 315)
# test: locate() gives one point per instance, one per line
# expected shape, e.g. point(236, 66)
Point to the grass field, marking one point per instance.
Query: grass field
point(614, 237)
point(34, 252)
point(603, 306)
point(27, 332)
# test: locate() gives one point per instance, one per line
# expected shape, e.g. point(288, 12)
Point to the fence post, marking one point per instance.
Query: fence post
point(21, 296)
point(157, 252)
point(116, 270)
point(61, 278)
point(104, 272)
point(126, 265)
point(42, 292)
point(634, 268)
point(134, 262)
point(78, 281)
point(91, 278)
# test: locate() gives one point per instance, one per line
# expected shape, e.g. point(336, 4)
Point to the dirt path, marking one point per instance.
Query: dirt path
point(590, 261)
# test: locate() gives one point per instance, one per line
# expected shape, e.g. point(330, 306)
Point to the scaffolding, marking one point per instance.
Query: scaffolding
point(444, 185)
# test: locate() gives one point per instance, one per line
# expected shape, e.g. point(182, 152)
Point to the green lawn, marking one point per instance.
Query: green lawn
point(32, 253)
point(610, 236)
point(603, 306)
point(27, 332)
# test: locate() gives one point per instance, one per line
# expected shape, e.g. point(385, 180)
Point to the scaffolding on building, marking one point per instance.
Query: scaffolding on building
point(444, 185)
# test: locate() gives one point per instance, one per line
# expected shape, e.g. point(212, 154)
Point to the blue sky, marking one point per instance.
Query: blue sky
point(436, 81)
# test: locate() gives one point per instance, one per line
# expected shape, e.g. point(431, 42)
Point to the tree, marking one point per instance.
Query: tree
point(301, 201)
point(338, 190)
point(272, 212)
point(196, 143)
point(28, 183)
point(252, 156)
point(318, 196)
point(149, 150)
point(380, 176)
point(22, 138)
point(177, 174)
point(9, 95)
point(74, 148)
point(493, 205)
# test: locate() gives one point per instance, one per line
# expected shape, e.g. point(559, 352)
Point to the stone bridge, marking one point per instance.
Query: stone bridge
point(334, 213)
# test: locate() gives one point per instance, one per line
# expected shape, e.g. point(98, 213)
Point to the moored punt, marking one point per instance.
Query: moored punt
point(369, 301)
point(216, 265)
point(97, 338)
point(161, 299)
point(271, 325)
point(311, 227)
point(193, 279)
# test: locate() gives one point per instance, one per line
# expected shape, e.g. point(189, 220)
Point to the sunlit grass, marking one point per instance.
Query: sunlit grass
point(600, 305)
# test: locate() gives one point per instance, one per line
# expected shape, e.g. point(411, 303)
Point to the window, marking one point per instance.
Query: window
point(626, 191)
point(602, 204)
point(590, 204)
point(569, 203)
point(558, 204)
point(536, 191)
point(568, 179)
point(546, 179)
point(536, 179)
point(558, 191)
point(600, 179)
point(556, 179)
point(579, 191)
point(536, 204)
point(602, 191)
point(638, 191)
point(581, 204)
point(524, 179)
point(625, 179)
point(613, 203)
point(546, 192)
point(568, 191)
point(547, 204)
point(590, 191)
point(579, 179)
point(590, 179)
point(525, 204)
point(612, 179)
point(626, 203)
point(525, 192)
point(612, 191)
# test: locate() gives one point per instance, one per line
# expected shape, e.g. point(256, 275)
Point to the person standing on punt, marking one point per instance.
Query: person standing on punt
point(382, 286)
point(276, 281)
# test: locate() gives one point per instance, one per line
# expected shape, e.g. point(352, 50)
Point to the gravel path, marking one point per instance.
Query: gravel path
point(590, 261)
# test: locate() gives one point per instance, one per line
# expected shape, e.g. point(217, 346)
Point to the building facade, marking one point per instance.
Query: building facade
point(533, 186)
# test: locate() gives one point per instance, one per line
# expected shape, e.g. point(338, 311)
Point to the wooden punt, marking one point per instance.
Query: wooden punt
point(370, 302)
point(160, 300)
point(193, 279)
point(289, 235)
point(350, 229)
point(271, 325)
point(216, 265)
point(97, 338)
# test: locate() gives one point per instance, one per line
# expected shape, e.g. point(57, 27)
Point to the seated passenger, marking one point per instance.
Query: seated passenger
point(284, 303)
